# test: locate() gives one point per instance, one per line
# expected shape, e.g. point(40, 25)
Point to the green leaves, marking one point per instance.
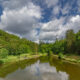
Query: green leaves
point(60, 56)
point(59, 46)
point(3, 53)
point(68, 45)
point(14, 45)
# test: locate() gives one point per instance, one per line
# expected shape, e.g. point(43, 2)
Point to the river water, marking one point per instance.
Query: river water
point(44, 68)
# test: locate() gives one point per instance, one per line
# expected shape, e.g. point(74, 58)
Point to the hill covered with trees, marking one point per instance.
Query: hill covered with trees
point(13, 45)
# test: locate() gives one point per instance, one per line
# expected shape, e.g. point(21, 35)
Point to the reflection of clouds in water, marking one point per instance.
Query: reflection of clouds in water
point(37, 72)
point(49, 73)
point(63, 75)
point(1, 79)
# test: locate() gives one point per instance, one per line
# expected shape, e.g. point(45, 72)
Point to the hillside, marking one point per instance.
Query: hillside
point(13, 45)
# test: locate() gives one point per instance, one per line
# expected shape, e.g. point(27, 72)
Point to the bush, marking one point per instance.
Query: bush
point(50, 53)
point(60, 56)
point(1, 62)
point(3, 53)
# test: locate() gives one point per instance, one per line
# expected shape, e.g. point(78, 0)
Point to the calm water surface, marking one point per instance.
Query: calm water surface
point(44, 68)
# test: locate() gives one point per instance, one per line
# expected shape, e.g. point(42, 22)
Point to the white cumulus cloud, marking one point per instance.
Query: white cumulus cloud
point(57, 28)
point(20, 19)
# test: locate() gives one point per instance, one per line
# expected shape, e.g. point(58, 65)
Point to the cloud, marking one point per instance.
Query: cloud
point(14, 4)
point(56, 10)
point(75, 23)
point(52, 30)
point(53, 25)
point(75, 19)
point(51, 3)
point(54, 5)
point(20, 18)
point(78, 3)
point(66, 9)
point(57, 28)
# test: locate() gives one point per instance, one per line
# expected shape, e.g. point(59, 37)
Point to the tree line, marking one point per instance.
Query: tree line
point(69, 45)
point(13, 45)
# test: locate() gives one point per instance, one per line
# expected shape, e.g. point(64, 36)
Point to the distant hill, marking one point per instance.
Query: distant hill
point(15, 45)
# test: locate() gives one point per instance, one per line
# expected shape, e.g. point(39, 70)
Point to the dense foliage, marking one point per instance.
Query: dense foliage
point(13, 45)
point(69, 45)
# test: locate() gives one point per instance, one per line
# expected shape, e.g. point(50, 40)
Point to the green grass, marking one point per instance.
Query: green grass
point(21, 57)
point(70, 58)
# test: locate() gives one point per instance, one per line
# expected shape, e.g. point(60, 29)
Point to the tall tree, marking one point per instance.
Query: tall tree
point(70, 40)
point(78, 42)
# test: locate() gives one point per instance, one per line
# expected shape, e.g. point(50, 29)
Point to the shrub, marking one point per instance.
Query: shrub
point(60, 56)
point(1, 62)
point(3, 53)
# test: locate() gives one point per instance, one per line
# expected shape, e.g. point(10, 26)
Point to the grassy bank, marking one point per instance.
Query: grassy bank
point(70, 58)
point(10, 59)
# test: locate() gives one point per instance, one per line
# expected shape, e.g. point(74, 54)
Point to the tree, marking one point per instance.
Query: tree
point(59, 46)
point(78, 42)
point(70, 41)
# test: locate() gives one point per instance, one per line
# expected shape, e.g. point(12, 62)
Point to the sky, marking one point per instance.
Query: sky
point(37, 20)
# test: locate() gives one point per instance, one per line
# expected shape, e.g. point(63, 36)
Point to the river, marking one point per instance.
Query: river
point(43, 68)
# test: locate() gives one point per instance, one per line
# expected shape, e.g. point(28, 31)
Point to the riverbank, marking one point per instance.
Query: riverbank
point(10, 59)
point(69, 58)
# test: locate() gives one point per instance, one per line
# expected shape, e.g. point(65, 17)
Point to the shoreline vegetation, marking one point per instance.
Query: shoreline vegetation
point(14, 48)
point(70, 58)
point(22, 57)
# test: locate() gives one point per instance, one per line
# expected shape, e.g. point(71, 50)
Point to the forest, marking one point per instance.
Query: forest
point(13, 45)
point(69, 45)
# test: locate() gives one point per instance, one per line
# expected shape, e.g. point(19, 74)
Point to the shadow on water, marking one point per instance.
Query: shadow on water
point(43, 68)
point(73, 70)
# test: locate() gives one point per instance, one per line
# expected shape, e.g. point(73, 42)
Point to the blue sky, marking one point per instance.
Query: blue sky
point(40, 20)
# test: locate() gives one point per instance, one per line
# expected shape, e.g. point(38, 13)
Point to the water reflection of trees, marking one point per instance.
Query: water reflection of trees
point(72, 69)
point(12, 67)
point(49, 67)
